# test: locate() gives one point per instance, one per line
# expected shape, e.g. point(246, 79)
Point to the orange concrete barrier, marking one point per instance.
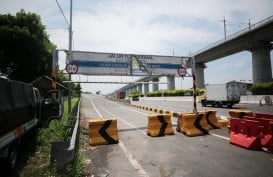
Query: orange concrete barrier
point(103, 131)
point(223, 123)
point(212, 122)
point(159, 125)
point(239, 113)
point(191, 124)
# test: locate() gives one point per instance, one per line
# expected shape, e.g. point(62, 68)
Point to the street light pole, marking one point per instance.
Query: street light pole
point(70, 49)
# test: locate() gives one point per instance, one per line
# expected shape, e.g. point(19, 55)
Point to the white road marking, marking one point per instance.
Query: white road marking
point(122, 120)
point(95, 108)
point(133, 161)
point(129, 109)
point(219, 136)
point(129, 156)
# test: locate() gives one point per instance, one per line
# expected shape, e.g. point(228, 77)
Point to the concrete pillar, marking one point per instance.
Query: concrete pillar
point(132, 89)
point(155, 86)
point(146, 88)
point(261, 63)
point(139, 88)
point(171, 84)
point(199, 73)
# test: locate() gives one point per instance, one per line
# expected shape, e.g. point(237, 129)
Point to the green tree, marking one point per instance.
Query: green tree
point(25, 49)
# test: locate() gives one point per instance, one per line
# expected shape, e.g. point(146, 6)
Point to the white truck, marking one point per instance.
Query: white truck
point(21, 110)
point(219, 95)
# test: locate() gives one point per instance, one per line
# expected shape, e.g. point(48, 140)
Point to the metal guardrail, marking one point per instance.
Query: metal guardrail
point(234, 35)
point(63, 152)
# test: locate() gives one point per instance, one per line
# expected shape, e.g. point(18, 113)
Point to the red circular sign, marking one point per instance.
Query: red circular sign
point(182, 71)
point(71, 68)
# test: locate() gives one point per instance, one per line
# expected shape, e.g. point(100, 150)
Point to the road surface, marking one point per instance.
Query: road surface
point(177, 155)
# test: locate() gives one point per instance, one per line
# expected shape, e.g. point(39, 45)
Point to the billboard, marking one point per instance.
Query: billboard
point(95, 63)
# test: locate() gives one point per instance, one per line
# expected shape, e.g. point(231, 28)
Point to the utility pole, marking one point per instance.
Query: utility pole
point(249, 24)
point(70, 50)
point(225, 30)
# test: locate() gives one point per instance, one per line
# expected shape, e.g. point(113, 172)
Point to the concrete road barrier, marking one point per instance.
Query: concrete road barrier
point(103, 131)
point(192, 124)
point(159, 125)
point(239, 113)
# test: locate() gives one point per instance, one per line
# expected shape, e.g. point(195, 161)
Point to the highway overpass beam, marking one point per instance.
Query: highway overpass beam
point(261, 63)
point(155, 85)
point(171, 84)
point(199, 72)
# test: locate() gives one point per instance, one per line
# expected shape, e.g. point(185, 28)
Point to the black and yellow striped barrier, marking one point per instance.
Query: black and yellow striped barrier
point(159, 125)
point(103, 131)
point(239, 113)
point(192, 124)
point(210, 116)
point(223, 123)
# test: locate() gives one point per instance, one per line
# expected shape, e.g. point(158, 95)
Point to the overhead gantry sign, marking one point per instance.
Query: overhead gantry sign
point(95, 63)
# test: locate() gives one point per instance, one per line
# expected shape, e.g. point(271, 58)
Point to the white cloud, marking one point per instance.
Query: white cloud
point(148, 26)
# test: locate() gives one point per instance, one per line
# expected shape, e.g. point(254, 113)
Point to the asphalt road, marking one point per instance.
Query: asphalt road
point(177, 155)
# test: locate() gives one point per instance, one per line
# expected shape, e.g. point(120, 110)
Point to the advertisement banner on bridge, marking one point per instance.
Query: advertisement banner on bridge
point(95, 63)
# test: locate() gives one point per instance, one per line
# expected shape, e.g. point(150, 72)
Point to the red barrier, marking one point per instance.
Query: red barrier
point(262, 115)
point(245, 133)
point(269, 146)
point(266, 132)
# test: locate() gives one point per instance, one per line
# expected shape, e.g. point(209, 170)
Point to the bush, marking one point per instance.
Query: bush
point(154, 94)
point(265, 88)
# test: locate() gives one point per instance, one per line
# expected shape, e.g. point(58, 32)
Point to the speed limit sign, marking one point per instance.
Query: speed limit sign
point(71, 68)
point(182, 71)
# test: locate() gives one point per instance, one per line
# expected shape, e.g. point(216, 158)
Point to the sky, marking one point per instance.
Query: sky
point(152, 27)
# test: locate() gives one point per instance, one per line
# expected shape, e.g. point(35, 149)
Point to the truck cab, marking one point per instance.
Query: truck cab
point(21, 110)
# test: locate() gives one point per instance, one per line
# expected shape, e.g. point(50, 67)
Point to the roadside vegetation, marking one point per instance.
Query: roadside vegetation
point(262, 88)
point(37, 160)
point(178, 92)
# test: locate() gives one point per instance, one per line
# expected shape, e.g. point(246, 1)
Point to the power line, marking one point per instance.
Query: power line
point(62, 13)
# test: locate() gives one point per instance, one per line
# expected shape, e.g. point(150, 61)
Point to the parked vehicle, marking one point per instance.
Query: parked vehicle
point(120, 95)
point(21, 110)
point(135, 98)
point(219, 95)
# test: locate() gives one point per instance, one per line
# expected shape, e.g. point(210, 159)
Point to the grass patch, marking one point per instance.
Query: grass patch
point(38, 162)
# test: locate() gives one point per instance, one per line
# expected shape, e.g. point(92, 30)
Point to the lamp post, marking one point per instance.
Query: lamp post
point(70, 48)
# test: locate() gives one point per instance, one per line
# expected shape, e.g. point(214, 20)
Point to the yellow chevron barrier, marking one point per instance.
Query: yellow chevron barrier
point(211, 120)
point(103, 131)
point(223, 123)
point(159, 125)
point(191, 124)
point(240, 113)
point(168, 112)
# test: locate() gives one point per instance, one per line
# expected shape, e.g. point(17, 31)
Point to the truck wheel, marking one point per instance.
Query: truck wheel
point(12, 157)
point(218, 105)
point(8, 163)
point(203, 103)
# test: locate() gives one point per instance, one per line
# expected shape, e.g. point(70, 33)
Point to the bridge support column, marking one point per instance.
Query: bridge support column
point(133, 89)
point(171, 84)
point(155, 85)
point(261, 63)
point(199, 72)
point(139, 88)
point(146, 88)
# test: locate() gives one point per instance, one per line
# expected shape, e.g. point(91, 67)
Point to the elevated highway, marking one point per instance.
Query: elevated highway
point(257, 39)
